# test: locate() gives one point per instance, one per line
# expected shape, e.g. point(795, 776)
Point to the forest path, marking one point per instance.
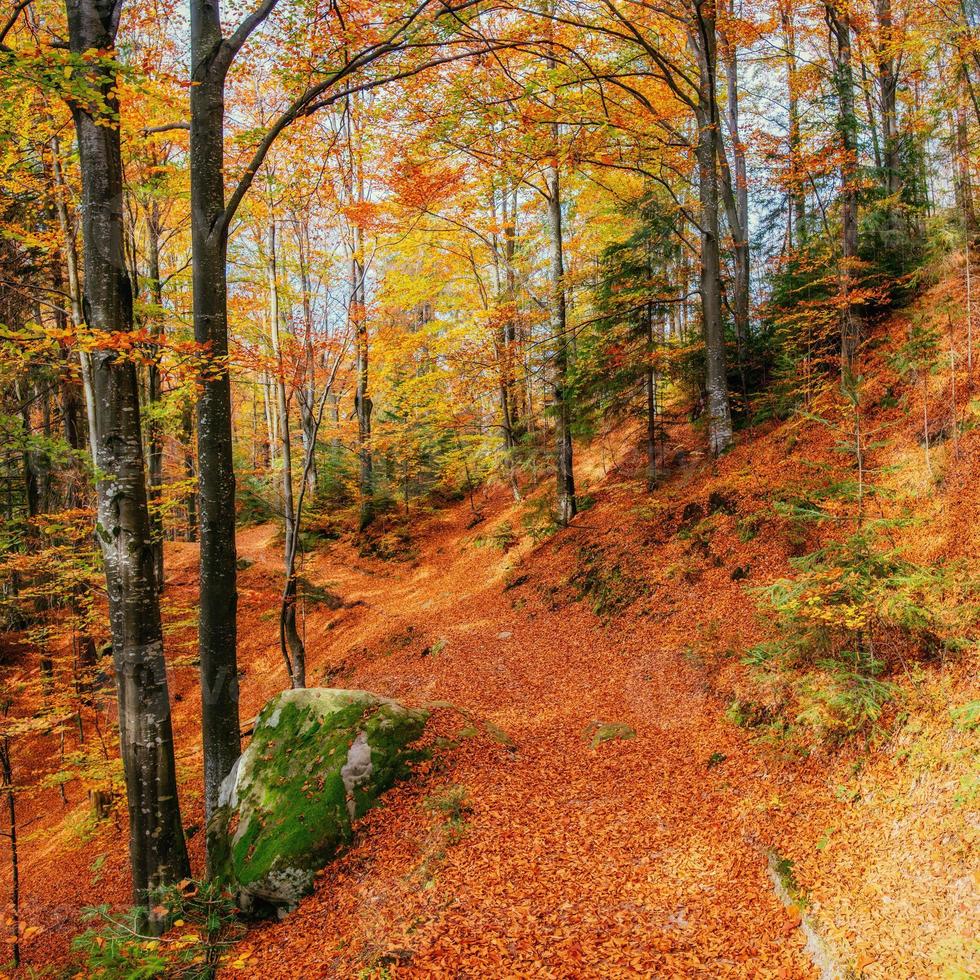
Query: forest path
point(628, 858)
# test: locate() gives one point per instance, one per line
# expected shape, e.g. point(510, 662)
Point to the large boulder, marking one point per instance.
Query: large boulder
point(319, 759)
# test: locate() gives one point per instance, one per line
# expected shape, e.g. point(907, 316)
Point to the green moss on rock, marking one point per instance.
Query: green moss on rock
point(319, 759)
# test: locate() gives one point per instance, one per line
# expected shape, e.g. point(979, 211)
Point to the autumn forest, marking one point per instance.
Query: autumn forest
point(489, 489)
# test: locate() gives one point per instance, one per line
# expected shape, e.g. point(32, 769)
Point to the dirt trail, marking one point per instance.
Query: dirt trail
point(631, 858)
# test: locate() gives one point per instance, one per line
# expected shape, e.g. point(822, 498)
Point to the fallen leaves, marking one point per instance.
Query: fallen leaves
point(638, 858)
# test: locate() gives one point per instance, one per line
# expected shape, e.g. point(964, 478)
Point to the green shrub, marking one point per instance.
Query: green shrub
point(855, 613)
point(502, 537)
point(539, 519)
point(603, 583)
point(453, 806)
point(203, 927)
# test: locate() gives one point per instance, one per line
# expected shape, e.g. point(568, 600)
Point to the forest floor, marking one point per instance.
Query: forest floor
point(595, 814)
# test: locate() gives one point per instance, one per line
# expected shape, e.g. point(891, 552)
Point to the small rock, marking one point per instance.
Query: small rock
point(608, 732)
point(396, 957)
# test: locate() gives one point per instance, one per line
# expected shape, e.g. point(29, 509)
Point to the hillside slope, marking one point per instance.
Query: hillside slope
point(597, 813)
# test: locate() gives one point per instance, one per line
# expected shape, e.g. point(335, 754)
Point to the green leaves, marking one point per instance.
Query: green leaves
point(855, 611)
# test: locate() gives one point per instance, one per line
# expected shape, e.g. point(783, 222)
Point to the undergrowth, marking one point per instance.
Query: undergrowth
point(603, 583)
point(203, 928)
point(856, 614)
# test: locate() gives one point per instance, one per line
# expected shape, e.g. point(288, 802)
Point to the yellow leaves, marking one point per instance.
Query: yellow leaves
point(239, 959)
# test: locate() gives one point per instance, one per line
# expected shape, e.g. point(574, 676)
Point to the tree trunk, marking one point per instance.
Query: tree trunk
point(651, 392)
point(963, 182)
point(216, 474)
point(7, 786)
point(888, 89)
point(32, 488)
point(71, 394)
point(716, 380)
point(290, 642)
point(504, 342)
point(564, 473)
point(736, 191)
point(271, 424)
point(510, 326)
point(74, 287)
point(157, 850)
point(839, 25)
point(797, 210)
point(190, 471)
point(153, 387)
point(306, 390)
point(363, 404)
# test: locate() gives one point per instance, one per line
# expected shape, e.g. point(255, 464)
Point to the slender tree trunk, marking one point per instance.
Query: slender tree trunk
point(32, 489)
point(7, 775)
point(363, 405)
point(271, 423)
point(510, 326)
point(190, 471)
point(888, 91)
point(289, 639)
point(869, 108)
point(797, 176)
point(736, 192)
point(71, 394)
point(306, 390)
point(564, 473)
point(964, 183)
point(839, 25)
point(215, 463)
point(154, 426)
point(506, 337)
point(74, 286)
point(651, 392)
point(157, 851)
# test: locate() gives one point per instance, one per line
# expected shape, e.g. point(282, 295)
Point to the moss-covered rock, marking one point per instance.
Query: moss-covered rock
point(319, 759)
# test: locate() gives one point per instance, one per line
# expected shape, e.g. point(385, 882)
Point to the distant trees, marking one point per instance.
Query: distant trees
point(329, 83)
